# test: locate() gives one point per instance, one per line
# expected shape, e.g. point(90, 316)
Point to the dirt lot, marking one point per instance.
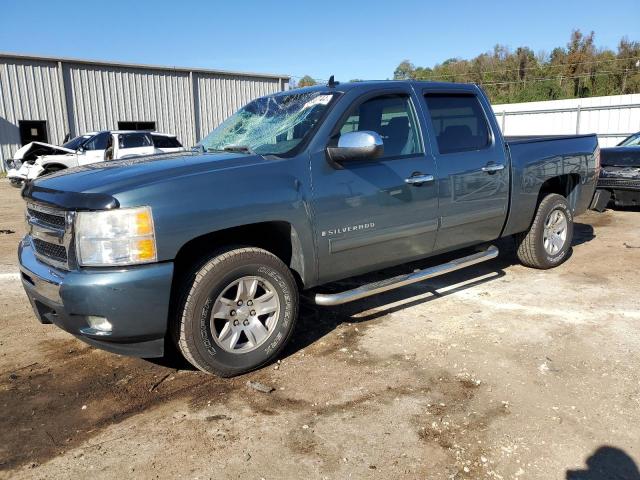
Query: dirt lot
point(497, 371)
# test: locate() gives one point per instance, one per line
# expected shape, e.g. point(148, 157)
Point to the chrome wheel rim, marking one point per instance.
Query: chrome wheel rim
point(245, 314)
point(555, 231)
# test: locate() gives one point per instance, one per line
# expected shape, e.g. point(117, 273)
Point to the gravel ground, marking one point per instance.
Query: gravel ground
point(497, 371)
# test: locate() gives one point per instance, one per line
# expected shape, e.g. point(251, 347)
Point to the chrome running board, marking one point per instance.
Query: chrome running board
point(374, 288)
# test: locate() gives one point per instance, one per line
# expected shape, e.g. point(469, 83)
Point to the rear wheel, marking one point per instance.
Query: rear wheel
point(548, 242)
point(237, 312)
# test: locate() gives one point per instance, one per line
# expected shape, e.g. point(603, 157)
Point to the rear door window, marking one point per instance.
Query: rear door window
point(134, 140)
point(458, 121)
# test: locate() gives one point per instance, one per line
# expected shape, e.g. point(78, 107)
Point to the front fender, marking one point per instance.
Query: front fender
point(189, 206)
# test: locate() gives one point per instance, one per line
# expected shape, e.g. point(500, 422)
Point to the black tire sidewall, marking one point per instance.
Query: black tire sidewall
point(557, 203)
point(204, 296)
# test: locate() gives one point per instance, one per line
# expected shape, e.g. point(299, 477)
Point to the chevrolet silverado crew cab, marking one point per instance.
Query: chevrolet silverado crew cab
point(210, 249)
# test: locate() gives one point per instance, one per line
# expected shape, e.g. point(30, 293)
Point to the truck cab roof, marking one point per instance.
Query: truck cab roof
point(375, 84)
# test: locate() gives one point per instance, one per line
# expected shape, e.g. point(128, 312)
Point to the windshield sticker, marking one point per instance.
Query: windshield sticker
point(319, 100)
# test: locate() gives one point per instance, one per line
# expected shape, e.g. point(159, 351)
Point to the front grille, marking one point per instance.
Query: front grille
point(51, 232)
point(618, 182)
point(50, 250)
point(47, 218)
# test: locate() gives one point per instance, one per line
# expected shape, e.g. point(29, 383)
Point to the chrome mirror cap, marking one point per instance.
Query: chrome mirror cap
point(362, 145)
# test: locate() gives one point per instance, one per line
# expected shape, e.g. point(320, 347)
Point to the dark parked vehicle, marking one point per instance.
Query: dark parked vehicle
point(620, 173)
point(209, 249)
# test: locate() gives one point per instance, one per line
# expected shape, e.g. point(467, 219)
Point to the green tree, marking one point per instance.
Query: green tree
point(306, 81)
point(404, 71)
point(628, 66)
point(579, 69)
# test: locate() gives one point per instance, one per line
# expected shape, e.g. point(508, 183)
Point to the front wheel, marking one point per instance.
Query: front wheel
point(548, 242)
point(237, 312)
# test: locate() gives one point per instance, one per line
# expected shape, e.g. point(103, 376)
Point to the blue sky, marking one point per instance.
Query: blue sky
point(349, 39)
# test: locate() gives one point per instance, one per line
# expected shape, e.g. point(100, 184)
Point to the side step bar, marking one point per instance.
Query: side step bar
point(374, 288)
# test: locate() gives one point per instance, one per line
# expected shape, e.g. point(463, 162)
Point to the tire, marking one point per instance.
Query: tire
point(205, 325)
point(532, 250)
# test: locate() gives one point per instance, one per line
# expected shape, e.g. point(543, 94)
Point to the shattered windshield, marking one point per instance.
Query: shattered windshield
point(269, 125)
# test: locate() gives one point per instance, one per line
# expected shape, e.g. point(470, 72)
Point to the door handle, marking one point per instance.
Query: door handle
point(492, 167)
point(418, 179)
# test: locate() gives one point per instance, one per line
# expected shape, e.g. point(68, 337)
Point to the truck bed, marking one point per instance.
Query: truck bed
point(536, 159)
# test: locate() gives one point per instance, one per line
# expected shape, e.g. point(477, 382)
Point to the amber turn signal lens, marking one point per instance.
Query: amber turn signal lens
point(145, 249)
point(144, 223)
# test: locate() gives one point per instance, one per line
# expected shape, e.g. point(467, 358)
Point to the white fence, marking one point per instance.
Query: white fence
point(612, 118)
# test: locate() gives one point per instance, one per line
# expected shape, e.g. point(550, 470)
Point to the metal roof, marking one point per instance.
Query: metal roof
point(23, 56)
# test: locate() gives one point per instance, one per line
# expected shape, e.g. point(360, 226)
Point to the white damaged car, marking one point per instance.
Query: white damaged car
point(36, 158)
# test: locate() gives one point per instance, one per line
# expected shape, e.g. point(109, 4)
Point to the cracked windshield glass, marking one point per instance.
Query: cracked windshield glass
point(269, 125)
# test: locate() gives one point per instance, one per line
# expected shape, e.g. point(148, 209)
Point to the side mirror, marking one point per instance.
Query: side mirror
point(363, 145)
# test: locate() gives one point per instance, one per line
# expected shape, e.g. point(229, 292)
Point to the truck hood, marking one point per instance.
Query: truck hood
point(103, 181)
point(61, 157)
point(620, 156)
point(36, 149)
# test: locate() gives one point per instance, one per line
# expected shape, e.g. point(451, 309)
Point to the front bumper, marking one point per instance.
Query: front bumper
point(619, 183)
point(134, 300)
point(16, 174)
point(625, 190)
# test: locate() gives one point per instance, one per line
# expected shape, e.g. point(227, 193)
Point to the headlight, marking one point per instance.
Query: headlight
point(122, 236)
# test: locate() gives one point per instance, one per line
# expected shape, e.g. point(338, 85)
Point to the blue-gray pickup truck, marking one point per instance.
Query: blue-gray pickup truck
point(209, 250)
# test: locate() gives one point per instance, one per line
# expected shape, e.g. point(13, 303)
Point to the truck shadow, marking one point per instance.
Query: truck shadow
point(582, 233)
point(315, 322)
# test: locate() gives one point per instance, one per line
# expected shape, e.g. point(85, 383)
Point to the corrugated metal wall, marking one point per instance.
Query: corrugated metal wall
point(76, 96)
point(613, 117)
point(102, 96)
point(29, 90)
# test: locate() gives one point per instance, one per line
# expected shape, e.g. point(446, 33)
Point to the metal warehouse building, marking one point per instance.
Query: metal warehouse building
point(45, 98)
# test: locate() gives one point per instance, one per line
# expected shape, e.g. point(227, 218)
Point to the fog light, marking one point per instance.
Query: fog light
point(99, 323)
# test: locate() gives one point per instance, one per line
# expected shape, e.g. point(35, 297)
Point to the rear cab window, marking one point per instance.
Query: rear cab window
point(458, 121)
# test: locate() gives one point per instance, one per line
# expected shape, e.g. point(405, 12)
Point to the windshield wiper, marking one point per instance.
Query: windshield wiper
point(238, 148)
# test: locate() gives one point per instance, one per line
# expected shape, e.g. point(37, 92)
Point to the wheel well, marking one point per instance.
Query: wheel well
point(279, 238)
point(564, 185)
